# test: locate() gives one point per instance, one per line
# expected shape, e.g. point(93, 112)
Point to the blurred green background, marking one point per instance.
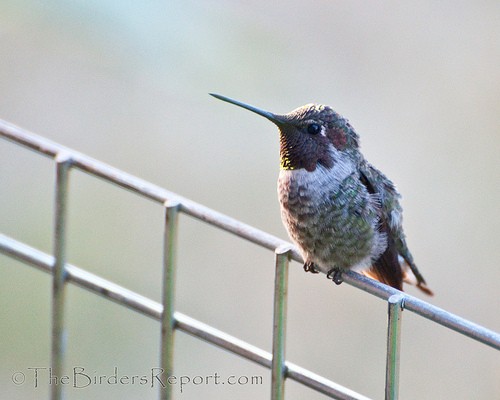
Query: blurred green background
point(127, 83)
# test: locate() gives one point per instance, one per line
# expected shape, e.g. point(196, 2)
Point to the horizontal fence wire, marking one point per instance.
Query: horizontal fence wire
point(171, 319)
point(184, 323)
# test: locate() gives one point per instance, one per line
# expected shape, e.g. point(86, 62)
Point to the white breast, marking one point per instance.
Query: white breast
point(319, 181)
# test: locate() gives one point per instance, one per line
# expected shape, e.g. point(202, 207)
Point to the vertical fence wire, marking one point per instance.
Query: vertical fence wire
point(63, 164)
point(395, 310)
point(278, 368)
point(167, 316)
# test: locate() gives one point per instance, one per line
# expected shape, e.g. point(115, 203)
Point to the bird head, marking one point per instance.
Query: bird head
point(310, 135)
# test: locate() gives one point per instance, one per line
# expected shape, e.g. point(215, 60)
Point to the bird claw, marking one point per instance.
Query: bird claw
point(310, 267)
point(335, 275)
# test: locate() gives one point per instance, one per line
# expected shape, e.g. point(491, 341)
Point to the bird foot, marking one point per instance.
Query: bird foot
point(335, 275)
point(310, 267)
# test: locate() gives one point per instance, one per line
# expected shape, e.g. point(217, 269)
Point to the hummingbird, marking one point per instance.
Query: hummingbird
point(340, 211)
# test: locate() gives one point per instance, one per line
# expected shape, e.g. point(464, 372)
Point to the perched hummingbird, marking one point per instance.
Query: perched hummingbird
point(340, 211)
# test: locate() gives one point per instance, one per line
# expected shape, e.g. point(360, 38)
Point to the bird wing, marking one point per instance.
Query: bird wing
point(387, 268)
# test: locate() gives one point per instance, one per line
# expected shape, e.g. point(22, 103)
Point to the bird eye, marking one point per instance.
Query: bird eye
point(313, 129)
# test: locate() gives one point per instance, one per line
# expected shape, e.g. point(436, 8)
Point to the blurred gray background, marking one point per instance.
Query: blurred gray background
point(127, 83)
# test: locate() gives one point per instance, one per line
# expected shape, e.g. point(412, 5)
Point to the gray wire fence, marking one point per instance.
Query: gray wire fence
point(63, 273)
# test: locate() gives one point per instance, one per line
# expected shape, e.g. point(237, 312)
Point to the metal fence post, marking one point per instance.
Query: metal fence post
point(278, 368)
point(395, 309)
point(63, 164)
point(167, 316)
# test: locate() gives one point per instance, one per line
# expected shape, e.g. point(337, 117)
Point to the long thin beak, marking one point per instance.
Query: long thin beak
point(274, 118)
